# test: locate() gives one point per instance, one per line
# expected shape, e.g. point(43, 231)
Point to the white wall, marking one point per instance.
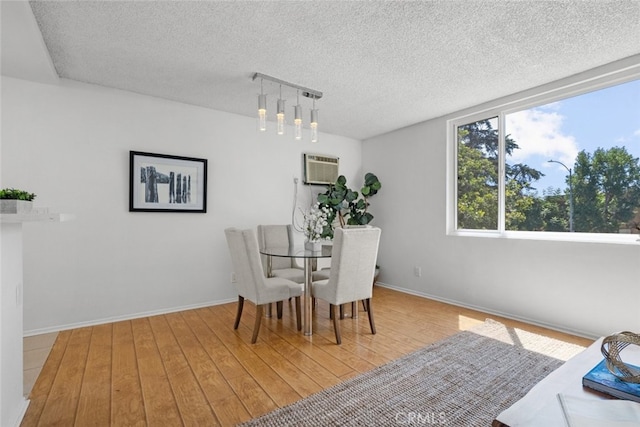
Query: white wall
point(70, 145)
point(589, 288)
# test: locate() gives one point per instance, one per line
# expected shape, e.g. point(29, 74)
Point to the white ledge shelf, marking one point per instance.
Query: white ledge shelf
point(35, 217)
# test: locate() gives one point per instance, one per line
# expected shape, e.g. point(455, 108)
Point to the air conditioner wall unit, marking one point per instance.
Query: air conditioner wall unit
point(320, 169)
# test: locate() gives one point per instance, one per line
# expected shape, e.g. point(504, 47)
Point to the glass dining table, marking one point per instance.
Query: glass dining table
point(310, 264)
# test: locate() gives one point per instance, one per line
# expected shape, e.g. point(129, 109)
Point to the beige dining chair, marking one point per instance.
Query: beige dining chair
point(251, 282)
point(353, 265)
point(279, 236)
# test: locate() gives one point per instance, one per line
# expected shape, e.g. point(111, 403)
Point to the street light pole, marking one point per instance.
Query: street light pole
point(570, 194)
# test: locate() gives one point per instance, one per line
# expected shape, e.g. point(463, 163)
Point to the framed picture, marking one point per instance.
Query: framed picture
point(164, 183)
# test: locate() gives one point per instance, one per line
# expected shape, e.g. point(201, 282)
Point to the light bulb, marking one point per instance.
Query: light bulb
point(262, 112)
point(314, 125)
point(297, 122)
point(280, 116)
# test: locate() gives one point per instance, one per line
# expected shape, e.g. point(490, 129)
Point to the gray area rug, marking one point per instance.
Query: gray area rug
point(465, 380)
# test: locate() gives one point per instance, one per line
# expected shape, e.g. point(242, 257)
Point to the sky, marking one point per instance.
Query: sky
point(559, 130)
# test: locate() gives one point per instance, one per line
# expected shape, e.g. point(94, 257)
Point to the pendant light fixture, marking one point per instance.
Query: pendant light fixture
point(280, 114)
point(314, 122)
point(297, 119)
point(262, 109)
point(280, 108)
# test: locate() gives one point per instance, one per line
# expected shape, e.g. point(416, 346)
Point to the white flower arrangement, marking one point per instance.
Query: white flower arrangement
point(315, 221)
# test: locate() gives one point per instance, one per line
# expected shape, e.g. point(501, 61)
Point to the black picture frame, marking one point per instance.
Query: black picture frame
point(167, 183)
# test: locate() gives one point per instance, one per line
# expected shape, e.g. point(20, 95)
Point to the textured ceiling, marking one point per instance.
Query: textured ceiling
point(381, 65)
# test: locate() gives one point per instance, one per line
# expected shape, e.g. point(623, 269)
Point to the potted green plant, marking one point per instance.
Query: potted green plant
point(346, 205)
point(13, 201)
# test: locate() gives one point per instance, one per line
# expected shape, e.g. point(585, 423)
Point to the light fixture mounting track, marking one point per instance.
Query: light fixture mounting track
point(304, 91)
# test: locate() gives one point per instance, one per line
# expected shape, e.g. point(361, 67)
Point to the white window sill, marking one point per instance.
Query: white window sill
point(620, 239)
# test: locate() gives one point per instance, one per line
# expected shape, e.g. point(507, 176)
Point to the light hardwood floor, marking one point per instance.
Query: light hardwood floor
point(191, 368)
point(35, 350)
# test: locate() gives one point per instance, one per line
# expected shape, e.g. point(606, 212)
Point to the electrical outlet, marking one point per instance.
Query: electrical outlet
point(417, 271)
point(233, 277)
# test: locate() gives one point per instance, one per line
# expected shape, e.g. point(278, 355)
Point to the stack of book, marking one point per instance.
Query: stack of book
point(602, 380)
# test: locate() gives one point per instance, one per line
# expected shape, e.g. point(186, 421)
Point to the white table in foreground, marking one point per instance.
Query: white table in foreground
point(310, 258)
point(540, 406)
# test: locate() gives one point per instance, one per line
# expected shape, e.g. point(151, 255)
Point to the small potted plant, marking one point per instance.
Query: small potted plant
point(13, 201)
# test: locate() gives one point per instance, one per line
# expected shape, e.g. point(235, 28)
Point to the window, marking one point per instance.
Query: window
point(571, 165)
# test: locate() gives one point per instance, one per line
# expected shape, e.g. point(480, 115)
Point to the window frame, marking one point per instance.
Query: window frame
point(591, 81)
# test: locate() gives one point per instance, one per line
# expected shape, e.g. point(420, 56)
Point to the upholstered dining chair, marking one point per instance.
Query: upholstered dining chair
point(278, 236)
point(353, 265)
point(251, 282)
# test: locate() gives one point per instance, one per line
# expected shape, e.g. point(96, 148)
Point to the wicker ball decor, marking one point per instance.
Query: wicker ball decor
point(611, 348)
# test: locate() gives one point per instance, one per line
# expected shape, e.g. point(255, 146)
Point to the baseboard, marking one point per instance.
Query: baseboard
point(22, 410)
point(512, 316)
point(124, 317)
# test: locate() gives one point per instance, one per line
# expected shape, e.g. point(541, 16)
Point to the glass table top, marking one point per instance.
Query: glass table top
point(297, 251)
